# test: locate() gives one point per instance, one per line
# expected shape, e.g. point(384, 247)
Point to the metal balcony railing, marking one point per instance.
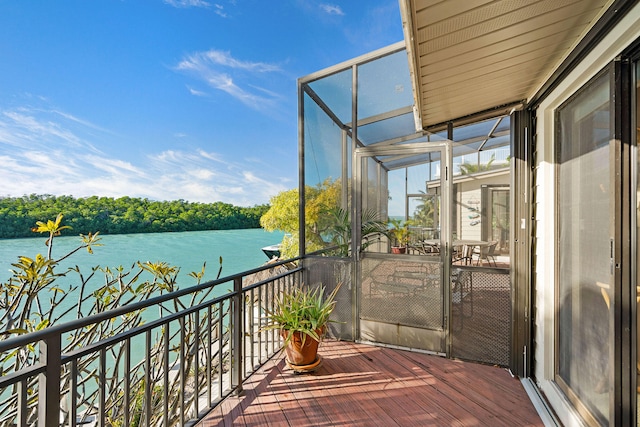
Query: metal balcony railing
point(170, 371)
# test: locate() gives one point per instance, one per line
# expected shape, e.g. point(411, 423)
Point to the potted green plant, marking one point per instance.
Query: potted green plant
point(301, 315)
point(401, 235)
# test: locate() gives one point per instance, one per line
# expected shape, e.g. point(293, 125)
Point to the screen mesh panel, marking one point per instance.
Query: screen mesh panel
point(331, 271)
point(407, 293)
point(481, 315)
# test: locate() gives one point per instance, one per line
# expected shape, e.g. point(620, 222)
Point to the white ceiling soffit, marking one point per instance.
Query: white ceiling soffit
point(468, 56)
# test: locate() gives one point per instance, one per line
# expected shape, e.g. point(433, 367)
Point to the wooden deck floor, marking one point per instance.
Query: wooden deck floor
point(361, 385)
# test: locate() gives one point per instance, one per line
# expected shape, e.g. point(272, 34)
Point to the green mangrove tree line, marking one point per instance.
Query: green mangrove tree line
point(123, 215)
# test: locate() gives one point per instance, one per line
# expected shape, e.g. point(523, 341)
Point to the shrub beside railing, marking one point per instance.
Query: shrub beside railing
point(168, 371)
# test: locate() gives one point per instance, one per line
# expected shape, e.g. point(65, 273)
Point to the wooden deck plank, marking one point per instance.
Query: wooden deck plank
point(402, 400)
point(361, 385)
point(300, 408)
point(331, 394)
point(356, 377)
point(441, 404)
point(258, 407)
point(469, 398)
point(269, 396)
point(344, 381)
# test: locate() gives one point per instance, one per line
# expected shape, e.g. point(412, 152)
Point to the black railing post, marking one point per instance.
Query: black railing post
point(230, 320)
point(49, 381)
point(237, 336)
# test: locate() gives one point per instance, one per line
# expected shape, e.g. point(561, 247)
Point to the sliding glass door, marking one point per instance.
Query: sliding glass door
point(585, 239)
point(597, 233)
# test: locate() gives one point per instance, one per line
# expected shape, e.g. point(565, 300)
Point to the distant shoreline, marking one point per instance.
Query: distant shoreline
point(124, 215)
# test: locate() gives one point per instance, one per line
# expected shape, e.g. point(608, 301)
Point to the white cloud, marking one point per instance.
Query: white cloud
point(205, 176)
point(196, 92)
point(332, 9)
point(210, 156)
point(221, 71)
point(202, 174)
point(111, 166)
point(51, 152)
point(267, 185)
point(219, 10)
point(225, 58)
point(31, 129)
point(188, 3)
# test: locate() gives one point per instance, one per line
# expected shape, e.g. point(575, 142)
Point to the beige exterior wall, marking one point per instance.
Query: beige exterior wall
point(469, 198)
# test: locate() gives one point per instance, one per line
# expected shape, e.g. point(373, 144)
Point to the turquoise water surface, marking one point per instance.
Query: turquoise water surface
point(239, 249)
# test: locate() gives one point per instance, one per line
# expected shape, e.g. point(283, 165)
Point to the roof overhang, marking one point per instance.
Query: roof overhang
point(469, 58)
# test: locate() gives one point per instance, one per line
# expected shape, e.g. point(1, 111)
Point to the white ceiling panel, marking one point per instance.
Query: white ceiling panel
point(474, 55)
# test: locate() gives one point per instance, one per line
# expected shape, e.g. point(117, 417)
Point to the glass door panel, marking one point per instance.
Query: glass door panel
point(401, 293)
point(584, 327)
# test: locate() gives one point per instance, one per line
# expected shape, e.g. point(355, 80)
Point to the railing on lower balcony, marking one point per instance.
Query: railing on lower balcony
point(169, 371)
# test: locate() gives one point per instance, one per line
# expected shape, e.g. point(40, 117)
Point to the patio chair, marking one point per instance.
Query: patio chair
point(424, 248)
point(464, 255)
point(487, 253)
point(461, 297)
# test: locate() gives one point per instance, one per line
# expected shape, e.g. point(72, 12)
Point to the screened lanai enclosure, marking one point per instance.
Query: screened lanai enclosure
point(414, 223)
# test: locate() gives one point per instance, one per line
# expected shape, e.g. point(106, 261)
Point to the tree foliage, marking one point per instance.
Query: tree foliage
point(35, 297)
point(327, 224)
point(339, 234)
point(471, 168)
point(283, 215)
point(427, 211)
point(123, 215)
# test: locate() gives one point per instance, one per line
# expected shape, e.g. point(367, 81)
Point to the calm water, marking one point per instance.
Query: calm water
point(239, 249)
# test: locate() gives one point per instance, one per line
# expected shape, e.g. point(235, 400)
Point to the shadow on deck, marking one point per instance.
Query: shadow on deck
point(362, 385)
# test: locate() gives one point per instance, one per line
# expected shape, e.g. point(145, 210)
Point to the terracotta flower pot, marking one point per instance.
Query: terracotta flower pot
point(398, 249)
point(299, 354)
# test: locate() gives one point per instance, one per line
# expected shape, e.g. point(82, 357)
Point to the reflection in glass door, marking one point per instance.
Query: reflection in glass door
point(584, 288)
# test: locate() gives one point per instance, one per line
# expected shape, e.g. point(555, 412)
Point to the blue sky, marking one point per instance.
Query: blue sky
point(167, 99)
